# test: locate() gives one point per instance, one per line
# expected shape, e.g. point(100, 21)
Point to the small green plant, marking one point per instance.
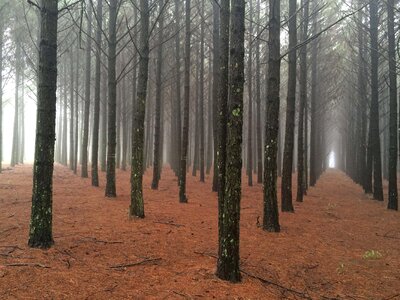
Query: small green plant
point(340, 270)
point(372, 254)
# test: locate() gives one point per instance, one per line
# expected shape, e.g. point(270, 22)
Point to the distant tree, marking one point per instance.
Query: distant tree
point(137, 205)
point(40, 232)
point(228, 262)
point(271, 215)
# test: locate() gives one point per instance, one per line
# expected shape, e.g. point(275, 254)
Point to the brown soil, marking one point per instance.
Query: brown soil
point(318, 254)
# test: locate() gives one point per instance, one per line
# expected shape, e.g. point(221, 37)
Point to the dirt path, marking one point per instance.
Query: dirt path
point(171, 253)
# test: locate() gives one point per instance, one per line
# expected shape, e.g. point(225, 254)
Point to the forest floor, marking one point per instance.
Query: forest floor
point(339, 244)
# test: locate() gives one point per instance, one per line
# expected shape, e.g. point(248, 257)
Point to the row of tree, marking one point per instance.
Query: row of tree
point(123, 101)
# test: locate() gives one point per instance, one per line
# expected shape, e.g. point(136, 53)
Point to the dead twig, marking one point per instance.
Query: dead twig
point(169, 223)
point(27, 265)
point(182, 295)
point(206, 254)
point(95, 240)
point(284, 288)
point(121, 266)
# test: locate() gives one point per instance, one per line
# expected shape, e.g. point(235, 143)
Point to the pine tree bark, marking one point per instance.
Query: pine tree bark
point(393, 142)
point(250, 102)
point(40, 232)
point(85, 138)
point(185, 130)
point(287, 205)
point(157, 123)
point(229, 260)
point(178, 125)
point(112, 100)
point(201, 96)
point(223, 92)
point(72, 111)
point(137, 206)
point(97, 81)
point(215, 90)
point(374, 125)
point(15, 144)
point(271, 215)
point(258, 101)
point(302, 106)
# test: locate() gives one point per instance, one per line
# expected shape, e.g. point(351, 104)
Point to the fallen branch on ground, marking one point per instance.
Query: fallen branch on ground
point(120, 266)
point(265, 281)
point(27, 265)
point(170, 223)
point(206, 254)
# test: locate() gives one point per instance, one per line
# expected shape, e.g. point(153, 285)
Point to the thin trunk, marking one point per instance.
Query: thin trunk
point(201, 96)
point(302, 106)
point(157, 124)
point(393, 150)
point(185, 131)
point(287, 204)
point(97, 81)
point(258, 100)
point(250, 102)
point(112, 99)
point(374, 127)
point(215, 91)
point(85, 139)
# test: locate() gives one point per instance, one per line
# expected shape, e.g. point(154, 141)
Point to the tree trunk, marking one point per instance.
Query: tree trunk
point(393, 150)
point(97, 81)
point(112, 99)
point(302, 106)
point(201, 96)
point(215, 91)
point(185, 131)
point(250, 102)
point(137, 206)
point(287, 204)
point(157, 124)
point(374, 127)
point(85, 139)
point(15, 144)
point(40, 232)
point(271, 215)
point(258, 100)
point(229, 260)
point(72, 111)
point(223, 92)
